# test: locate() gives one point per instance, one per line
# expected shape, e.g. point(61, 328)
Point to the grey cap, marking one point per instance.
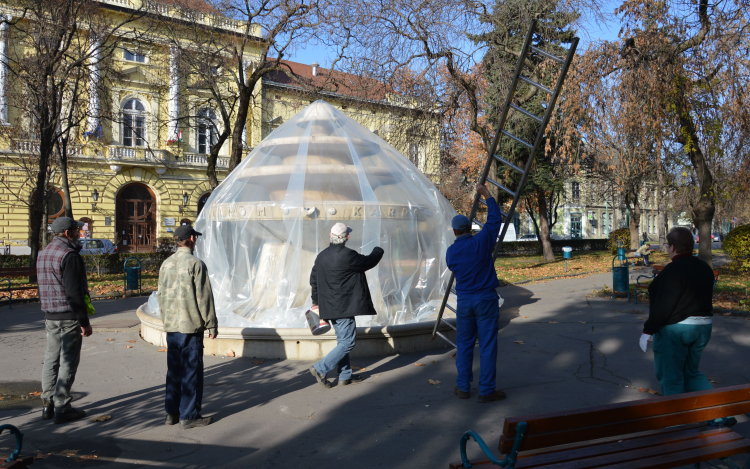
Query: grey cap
point(183, 232)
point(63, 224)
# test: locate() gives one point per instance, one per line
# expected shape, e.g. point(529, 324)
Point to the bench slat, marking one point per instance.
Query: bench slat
point(705, 453)
point(615, 447)
point(603, 460)
point(557, 428)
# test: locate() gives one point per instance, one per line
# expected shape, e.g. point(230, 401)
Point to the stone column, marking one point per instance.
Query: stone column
point(4, 69)
point(94, 77)
point(174, 94)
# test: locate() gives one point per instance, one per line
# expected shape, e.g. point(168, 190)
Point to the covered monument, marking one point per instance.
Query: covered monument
point(267, 221)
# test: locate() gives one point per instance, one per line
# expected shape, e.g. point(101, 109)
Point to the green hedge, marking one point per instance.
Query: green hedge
point(737, 245)
point(619, 236)
point(533, 247)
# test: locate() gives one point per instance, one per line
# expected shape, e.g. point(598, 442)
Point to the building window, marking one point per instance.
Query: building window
point(206, 131)
point(414, 154)
point(133, 124)
point(575, 189)
point(134, 56)
point(202, 201)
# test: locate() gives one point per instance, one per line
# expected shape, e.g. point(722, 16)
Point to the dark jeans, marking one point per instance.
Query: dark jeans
point(677, 354)
point(477, 317)
point(338, 358)
point(184, 375)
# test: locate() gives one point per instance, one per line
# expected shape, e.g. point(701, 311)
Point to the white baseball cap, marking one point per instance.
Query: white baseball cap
point(340, 230)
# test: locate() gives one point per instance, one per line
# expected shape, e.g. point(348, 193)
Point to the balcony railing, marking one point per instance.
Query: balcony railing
point(31, 147)
point(136, 154)
point(187, 14)
point(198, 159)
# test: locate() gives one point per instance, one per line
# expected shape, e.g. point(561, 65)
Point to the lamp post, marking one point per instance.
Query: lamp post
point(95, 196)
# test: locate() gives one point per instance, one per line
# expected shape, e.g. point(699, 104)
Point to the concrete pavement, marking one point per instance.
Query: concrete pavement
point(576, 351)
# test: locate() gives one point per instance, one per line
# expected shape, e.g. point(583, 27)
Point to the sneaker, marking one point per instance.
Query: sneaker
point(461, 394)
point(172, 419)
point(48, 410)
point(68, 416)
point(495, 396)
point(321, 379)
point(196, 422)
point(354, 379)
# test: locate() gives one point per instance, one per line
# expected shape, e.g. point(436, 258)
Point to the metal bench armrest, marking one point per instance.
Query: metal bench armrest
point(19, 441)
point(509, 460)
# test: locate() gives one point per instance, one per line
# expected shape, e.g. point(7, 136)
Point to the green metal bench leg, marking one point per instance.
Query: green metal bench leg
point(9, 296)
point(509, 460)
point(19, 441)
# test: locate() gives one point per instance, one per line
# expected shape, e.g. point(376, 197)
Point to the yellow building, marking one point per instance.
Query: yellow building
point(144, 172)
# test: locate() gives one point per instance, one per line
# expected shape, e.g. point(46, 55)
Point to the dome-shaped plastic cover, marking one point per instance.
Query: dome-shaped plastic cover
point(268, 220)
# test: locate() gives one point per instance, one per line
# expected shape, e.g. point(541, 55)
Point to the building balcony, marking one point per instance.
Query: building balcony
point(196, 159)
point(136, 154)
point(31, 147)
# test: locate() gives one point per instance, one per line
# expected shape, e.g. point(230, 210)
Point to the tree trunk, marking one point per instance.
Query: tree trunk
point(243, 106)
point(543, 234)
point(635, 224)
point(213, 180)
point(661, 218)
point(36, 208)
point(62, 157)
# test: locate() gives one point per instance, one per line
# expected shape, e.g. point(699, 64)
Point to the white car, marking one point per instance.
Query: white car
point(97, 246)
point(528, 237)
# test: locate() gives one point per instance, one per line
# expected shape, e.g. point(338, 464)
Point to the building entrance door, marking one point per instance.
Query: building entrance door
point(136, 219)
point(575, 226)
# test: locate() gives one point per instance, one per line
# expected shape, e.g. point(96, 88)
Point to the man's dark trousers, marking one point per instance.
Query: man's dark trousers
point(184, 375)
point(477, 317)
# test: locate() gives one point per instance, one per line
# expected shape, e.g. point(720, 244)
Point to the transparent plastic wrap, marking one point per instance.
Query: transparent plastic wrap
point(268, 220)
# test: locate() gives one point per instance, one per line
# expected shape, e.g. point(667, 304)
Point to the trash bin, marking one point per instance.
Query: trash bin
point(132, 278)
point(620, 277)
point(567, 250)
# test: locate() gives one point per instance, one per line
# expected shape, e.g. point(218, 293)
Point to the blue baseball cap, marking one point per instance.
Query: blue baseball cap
point(461, 222)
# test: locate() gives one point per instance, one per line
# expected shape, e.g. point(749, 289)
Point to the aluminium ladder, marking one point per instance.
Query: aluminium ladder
point(533, 147)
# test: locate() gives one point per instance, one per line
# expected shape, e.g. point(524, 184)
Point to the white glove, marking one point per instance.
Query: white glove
point(645, 339)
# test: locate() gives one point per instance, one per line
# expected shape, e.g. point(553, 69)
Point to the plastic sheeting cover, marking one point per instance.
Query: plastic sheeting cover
point(267, 221)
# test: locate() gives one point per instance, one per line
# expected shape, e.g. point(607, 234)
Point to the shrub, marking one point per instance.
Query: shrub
point(737, 245)
point(621, 236)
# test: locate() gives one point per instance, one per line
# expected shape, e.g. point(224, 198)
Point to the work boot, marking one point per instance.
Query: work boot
point(495, 396)
point(172, 419)
point(321, 379)
point(48, 409)
point(461, 394)
point(68, 416)
point(354, 379)
point(196, 422)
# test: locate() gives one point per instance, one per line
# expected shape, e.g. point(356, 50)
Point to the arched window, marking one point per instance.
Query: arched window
point(133, 123)
point(206, 131)
point(202, 201)
point(575, 189)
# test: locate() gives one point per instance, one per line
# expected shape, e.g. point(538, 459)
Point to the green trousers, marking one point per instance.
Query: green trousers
point(677, 354)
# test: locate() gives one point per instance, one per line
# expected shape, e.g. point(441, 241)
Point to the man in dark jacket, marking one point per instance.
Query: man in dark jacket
point(470, 260)
point(340, 292)
point(63, 292)
point(680, 317)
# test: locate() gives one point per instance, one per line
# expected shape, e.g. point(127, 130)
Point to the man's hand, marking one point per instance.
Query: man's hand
point(211, 336)
point(86, 331)
point(482, 190)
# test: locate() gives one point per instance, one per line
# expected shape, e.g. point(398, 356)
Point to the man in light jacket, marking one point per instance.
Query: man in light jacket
point(63, 292)
point(186, 302)
point(339, 293)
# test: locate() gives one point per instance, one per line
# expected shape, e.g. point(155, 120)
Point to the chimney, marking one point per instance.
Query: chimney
point(315, 66)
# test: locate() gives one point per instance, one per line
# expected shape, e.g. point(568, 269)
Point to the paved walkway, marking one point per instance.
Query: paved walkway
point(577, 351)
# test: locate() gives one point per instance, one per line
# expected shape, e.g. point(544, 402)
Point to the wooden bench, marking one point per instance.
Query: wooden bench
point(6, 273)
point(643, 287)
point(661, 432)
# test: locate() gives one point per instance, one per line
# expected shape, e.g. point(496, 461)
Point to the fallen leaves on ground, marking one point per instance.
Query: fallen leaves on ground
point(356, 368)
point(128, 346)
point(259, 362)
point(110, 340)
point(2, 397)
point(582, 322)
point(526, 317)
point(164, 350)
point(231, 353)
point(712, 380)
point(70, 452)
point(42, 455)
point(433, 381)
point(35, 393)
point(519, 342)
point(101, 418)
point(453, 356)
point(132, 341)
point(650, 391)
point(553, 322)
point(86, 457)
point(420, 364)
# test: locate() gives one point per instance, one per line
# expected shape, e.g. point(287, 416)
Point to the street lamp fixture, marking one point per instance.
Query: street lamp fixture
point(185, 199)
point(95, 196)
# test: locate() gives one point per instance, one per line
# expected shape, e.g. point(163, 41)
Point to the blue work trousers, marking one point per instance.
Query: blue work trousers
point(677, 354)
point(184, 375)
point(338, 358)
point(477, 317)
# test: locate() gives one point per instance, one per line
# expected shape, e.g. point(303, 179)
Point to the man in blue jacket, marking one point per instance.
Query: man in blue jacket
point(470, 260)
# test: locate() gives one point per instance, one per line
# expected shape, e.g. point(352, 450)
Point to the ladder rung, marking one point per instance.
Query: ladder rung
point(481, 201)
point(446, 339)
point(500, 186)
point(446, 322)
point(479, 223)
point(533, 83)
point(539, 51)
point(526, 113)
point(503, 160)
point(450, 308)
point(503, 214)
point(518, 140)
point(453, 290)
